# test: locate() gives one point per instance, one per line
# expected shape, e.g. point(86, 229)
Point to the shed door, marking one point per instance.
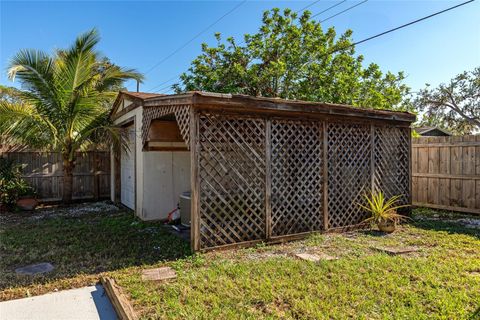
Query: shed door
point(127, 171)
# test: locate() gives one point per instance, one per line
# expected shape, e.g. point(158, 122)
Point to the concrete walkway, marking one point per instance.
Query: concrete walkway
point(86, 303)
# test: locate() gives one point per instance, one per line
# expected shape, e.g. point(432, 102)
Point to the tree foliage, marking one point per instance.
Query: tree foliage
point(454, 106)
point(292, 57)
point(65, 100)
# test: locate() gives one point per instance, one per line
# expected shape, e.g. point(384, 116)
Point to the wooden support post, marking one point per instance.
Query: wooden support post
point(410, 199)
point(372, 157)
point(325, 176)
point(268, 179)
point(194, 181)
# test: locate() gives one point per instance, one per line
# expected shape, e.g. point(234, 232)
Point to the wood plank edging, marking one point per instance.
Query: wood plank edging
point(119, 301)
point(446, 176)
point(449, 208)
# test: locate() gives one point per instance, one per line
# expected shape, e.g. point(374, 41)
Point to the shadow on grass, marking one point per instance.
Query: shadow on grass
point(450, 226)
point(83, 245)
point(374, 233)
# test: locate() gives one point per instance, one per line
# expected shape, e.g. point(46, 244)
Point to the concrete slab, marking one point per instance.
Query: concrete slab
point(33, 269)
point(88, 303)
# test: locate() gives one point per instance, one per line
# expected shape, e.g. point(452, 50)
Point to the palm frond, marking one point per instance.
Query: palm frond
point(22, 124)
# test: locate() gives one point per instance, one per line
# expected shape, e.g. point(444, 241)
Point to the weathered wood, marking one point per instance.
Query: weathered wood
point(268, 179)
point(296, 176)
point(119, 301)
point(270, 170)
point(195, 193)
point(44, 172)
point(163, 130)
point(325, 176)
point(261, 104)
point(447, 173)
point(159, 274)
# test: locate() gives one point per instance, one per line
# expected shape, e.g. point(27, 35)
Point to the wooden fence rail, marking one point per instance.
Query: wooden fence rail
point(446, 173)
point(44, 171)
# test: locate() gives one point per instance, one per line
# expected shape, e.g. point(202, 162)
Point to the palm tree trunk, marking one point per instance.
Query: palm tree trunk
point(68, 166)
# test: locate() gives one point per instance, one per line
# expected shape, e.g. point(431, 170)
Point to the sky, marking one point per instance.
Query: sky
point(139, 34)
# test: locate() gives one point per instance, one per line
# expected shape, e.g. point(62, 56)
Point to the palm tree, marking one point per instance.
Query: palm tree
point(65, 101)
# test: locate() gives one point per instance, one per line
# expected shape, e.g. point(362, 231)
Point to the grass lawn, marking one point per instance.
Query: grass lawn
point(441, 280)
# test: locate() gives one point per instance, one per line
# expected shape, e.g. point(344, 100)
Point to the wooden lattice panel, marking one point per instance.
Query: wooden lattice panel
point(296, 169)
point(231, 168)
point(182, 116)
point(349, 172)
point(391, 161)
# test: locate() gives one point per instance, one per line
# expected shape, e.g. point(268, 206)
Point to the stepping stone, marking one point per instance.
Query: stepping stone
point(33, 269)
point(396, 251)
point(159, 274)
point(314, 257)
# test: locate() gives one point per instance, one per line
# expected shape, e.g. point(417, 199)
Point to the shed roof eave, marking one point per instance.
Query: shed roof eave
point(240, 102)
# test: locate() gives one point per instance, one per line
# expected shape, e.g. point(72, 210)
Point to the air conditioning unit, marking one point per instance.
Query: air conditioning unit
point(184, 204)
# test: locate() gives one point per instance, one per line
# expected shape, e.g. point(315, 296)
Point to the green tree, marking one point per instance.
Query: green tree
point(65, 101)
point(454, 106)
point(291, 57)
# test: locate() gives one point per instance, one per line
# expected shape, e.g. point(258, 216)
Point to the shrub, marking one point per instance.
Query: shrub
point(12, 185)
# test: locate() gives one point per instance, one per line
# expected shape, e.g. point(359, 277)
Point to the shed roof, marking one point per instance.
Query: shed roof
point(238, 102)
point(426, 129)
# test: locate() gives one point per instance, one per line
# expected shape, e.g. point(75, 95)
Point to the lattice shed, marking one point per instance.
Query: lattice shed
point(269, 169)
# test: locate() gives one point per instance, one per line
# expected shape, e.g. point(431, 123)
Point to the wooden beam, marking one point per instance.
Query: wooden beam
point(119, 301)
point(444, 207)
point(194, 181)
point(372, 157)
point(268, 178)
point(166, 148)
point(325, 176)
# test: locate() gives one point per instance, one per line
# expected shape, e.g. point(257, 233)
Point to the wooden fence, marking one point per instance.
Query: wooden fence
point(446, 173)
point(44, 171)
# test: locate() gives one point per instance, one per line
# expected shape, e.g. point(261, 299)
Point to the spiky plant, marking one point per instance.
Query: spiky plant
point(65, 101)
point(381, 209)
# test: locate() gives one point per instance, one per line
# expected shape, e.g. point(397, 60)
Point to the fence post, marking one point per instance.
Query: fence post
point(96, 184)
point(268, 178)
point(325, 176)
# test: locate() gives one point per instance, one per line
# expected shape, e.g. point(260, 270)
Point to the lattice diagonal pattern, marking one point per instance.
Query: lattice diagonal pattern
point(349, 176)
point(296, 177)
point(182, 115)
point(391, 162)
point(232, 179)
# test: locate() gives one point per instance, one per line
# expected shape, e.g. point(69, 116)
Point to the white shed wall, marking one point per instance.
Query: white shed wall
point(137, 118)
point(167, 175)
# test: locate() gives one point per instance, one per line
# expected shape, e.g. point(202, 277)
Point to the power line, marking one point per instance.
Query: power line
point(195, 37)
point(331, 7)
point(164, 82)
point(397, 28)
point(348, 9)
point(308, 6)
point(413, 22)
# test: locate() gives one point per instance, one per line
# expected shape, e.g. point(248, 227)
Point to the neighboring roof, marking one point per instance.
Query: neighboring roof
point(426, 129)
point(142, 95)
point(135, 96)
point(238, 102)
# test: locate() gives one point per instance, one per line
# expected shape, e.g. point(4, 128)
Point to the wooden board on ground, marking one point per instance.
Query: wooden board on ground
point(120, 303)
point(314, 257)
point(396, 250)
point(159, 274)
